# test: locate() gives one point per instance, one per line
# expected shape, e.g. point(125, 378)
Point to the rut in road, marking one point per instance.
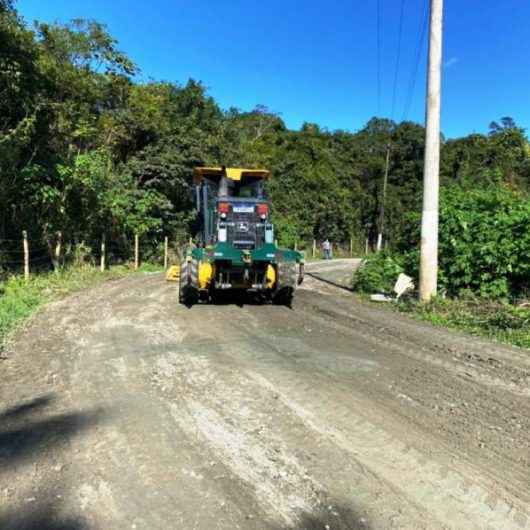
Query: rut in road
point(260, 417)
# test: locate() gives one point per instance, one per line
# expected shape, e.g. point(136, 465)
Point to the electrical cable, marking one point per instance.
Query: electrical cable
point(398, 58)
point(378, 57)
point(416, 64)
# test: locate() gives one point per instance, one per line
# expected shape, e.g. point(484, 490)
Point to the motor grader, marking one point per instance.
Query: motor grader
point(234, 248)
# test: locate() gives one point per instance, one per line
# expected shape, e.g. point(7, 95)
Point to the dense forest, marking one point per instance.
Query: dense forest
point(86, 149)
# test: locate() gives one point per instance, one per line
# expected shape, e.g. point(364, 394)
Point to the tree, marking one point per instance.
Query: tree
point(84, 145)
point(6, 6)
point(506, 123)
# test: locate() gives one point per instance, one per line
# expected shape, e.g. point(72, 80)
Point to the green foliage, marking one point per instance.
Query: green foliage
point(501, 156)
point(500, 321)
point(17, 302)
point(6, 5)
point(484, 242)
point(20, 298)
point(378, 273)
point(86, 148)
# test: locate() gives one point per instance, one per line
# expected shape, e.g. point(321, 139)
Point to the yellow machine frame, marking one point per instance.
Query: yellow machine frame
point(173, 273)
point(233, 173)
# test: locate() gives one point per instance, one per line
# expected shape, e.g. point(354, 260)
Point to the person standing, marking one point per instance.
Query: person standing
point(326, 247)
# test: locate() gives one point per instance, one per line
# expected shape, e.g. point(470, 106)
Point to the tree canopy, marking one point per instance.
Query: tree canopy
point(87, 148)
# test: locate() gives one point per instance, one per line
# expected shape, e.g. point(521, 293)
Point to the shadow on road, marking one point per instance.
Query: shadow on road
point(40, 517)
point(333, 517)
point(232, 298)
point(21, 436)
point(320, 278)
point(26, 435)
point(26, 408)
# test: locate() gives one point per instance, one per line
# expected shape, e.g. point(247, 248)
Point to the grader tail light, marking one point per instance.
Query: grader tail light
point(223, 207)
point(262, 210)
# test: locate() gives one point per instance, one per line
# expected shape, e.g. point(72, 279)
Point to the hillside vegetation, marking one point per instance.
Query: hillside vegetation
point(87, 149)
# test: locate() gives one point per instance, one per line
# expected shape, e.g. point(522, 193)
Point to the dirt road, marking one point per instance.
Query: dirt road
point(123, 410)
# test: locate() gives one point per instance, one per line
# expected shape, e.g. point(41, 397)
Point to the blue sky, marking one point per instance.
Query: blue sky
point(316, 60)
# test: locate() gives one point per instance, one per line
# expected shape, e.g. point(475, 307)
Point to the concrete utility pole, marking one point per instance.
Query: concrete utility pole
point(383, 199)
point(429, 219)
point(25, 247)
point(103, 253)
point(136, 251)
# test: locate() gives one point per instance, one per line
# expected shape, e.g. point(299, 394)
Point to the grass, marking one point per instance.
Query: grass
point(19, 299)
point(496, 320)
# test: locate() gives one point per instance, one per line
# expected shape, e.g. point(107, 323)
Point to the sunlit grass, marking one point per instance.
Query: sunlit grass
point(19, 298)
point(501, 321)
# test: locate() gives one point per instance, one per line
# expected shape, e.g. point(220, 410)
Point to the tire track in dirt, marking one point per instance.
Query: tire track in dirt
point(262, 417)
point(265, 444)
point(517, 382)
point(454, 498)
point(441, 483)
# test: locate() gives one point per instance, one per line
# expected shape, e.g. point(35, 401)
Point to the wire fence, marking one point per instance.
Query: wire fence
point(314, 249)
point(32, 255)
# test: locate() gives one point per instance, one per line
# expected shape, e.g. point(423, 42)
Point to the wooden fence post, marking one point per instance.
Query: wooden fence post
point(296, 245)
point(351, 247)
point(314, 248)
point(26, 254)
point(166, 246)
point(366, 247)
point(58, 245)
point(103, 253)
point(136, 251)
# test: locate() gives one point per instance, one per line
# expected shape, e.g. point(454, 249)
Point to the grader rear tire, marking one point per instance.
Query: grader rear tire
point(284, 297)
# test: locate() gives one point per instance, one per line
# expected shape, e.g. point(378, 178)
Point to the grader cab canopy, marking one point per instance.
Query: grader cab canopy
point(231, 173)
point(231, 181)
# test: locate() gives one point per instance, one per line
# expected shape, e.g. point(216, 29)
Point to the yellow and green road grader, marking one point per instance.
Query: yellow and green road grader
point(235, 248)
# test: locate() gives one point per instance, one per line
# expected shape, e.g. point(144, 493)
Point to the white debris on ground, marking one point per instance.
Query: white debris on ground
point(403, 285)
point(379, 297)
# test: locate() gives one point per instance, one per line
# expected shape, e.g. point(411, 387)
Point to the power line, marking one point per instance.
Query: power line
point(398, 58)
point(378, 57)
point(414, 72)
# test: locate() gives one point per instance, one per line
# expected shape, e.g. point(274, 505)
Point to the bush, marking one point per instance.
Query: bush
point(484, 242)
point(19, 299)
point(378, 273)
point(501, 321)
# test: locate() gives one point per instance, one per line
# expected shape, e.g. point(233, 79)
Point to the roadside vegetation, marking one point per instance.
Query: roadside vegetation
point(500, 321)
point(89, 152)
point(484, 275)
point(19, 298)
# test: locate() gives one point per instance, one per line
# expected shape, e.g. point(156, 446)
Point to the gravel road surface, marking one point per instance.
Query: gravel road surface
point(121, 409)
